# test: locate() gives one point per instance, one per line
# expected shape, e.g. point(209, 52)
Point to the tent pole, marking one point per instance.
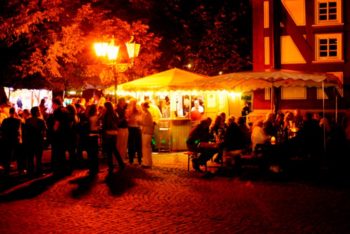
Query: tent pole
point(336, 108)
point(189, 111)
point(323, 110)
point(31, 101)
point(272, 98)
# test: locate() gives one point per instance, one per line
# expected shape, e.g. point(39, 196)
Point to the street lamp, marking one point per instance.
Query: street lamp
point(109, 51)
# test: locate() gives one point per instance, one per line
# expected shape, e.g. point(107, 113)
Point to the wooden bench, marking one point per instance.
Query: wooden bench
point(236, 160)
point(192, 155)
point(229, 157)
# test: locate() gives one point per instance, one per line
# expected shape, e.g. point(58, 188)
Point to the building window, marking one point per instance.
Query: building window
point(293, 93)
point(267, 93)
point(321, 93)
point(328, 11)
point(328, 47)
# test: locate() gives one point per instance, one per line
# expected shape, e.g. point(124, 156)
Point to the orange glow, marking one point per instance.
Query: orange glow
point(133, 49)
point(109, 50)
point(112, 52)
point(273, 140)
point(101, 49)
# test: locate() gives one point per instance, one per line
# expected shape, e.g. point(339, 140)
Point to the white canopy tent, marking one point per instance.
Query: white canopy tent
point(248, 81)
point(169, 80)
point(178, 83)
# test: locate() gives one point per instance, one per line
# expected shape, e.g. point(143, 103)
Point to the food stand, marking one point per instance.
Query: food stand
point(175, 92)
point(27, 98)
point(251, 81)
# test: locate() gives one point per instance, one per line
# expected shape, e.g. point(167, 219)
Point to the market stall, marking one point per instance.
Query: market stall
point(250, 81)
point(27, 98)
point(27, 92)
point(176, 94)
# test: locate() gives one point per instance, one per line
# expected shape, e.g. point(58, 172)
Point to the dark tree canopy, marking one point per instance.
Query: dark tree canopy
point(52, 38)
point(212, 36)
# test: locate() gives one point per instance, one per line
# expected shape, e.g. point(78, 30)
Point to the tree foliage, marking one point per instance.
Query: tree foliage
point(53, 38)
point(212, 36)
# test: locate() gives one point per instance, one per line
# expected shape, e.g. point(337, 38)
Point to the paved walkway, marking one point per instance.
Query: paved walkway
point(166, 199)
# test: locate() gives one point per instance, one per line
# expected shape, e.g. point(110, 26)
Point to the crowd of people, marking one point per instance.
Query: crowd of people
point(123, 131)
point(279, 137)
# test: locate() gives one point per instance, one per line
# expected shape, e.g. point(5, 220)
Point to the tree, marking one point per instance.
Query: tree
point(53, 39)
point(212, 36)
point(225, 45)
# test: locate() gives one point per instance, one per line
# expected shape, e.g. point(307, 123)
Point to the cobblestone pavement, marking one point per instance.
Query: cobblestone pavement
point(167, 199)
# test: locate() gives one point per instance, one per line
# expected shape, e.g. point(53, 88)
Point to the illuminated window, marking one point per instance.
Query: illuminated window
point(320, 94)
point(290, 93)
point(328, 47)
point(267, 93)
point(328, 11)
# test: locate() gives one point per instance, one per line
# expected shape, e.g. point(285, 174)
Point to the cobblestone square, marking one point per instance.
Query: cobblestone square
point(168, 199)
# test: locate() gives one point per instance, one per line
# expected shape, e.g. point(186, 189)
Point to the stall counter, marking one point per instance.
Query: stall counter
point(173, 133)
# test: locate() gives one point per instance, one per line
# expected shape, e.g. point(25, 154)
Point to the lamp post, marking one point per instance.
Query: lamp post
point(109, 51)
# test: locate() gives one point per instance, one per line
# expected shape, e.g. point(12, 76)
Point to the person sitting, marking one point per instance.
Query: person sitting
point(246, 133)
point(258, 137)
point(217, 129)
point(269, 125)
point(234, 139)
point(311, 137)
point(196, 142)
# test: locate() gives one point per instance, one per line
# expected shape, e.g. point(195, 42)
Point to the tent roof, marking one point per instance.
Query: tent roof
point(248, 81)
point(177, 79)
point(173, 79)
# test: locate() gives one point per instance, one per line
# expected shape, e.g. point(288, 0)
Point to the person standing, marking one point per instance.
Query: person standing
point(133, 115)
point(57, 129)
point(147, 129)
point(43, 108)
point(156, 116)
point(35, 131)
point(123, 132)
point(109, 134)
point(245, 111)
point(82, 133)
point(92, 140)
point(197, 111)
point(72, 136)
point(11, 129)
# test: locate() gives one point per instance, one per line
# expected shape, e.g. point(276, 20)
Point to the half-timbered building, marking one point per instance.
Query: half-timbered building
point(306, 36)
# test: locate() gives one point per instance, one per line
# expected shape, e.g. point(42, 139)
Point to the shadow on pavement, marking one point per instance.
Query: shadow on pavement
point(119, 182)
point(29, 189)
point(84, 183)
point(123, 180)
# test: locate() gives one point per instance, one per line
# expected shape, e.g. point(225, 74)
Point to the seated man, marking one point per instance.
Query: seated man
point(236, 137)
point(196, 142)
